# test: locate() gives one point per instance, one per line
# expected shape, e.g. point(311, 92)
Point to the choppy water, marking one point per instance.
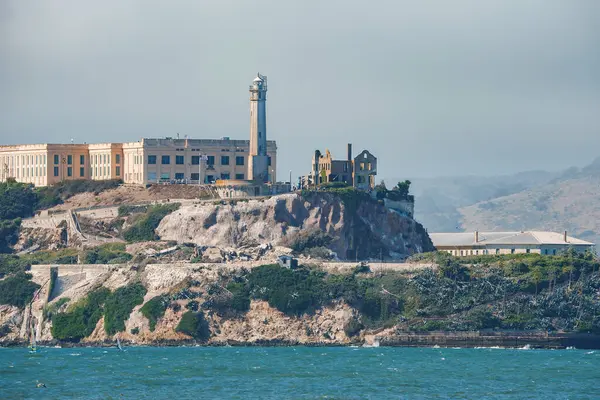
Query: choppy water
point(298, 373)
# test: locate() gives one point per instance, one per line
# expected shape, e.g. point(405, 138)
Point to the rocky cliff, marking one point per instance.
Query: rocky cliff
point(358, 228)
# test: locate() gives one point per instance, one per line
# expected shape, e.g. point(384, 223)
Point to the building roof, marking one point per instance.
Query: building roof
point(458, 239)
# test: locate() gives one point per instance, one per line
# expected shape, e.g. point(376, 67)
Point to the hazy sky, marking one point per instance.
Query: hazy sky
point(430, 87)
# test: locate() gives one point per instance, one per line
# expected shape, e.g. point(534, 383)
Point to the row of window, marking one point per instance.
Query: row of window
point(94, 171)
point(180, 160)
point(485, 252)
point(195, 176)
point(25, 160)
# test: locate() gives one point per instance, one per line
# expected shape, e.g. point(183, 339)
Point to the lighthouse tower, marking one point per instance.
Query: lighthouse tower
point(258, 161)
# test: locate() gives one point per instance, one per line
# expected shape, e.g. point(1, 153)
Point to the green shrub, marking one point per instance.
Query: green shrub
point(11, 264)
point(17, 200)
point(143, 228)
point(126, 210)
point(9, 234)
point(62, 256)
point(119, 305)
point(192, 305)
point(111, 253)
point(17, 290)
point(81, 318)
point(135, 331)
point(195, 325)
point(154, 309)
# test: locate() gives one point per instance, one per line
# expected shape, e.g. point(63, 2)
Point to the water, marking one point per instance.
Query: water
point(298, 373)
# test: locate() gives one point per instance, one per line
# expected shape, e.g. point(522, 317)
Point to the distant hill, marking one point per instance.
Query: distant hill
point(557, 201)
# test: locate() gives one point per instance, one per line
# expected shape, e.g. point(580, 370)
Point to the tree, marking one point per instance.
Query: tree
point(403, 188)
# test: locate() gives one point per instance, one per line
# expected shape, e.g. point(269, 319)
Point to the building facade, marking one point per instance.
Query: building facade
point(148, 161)
point(44, 164)
point(462, 244)
point(144, 162)
point(359, 171)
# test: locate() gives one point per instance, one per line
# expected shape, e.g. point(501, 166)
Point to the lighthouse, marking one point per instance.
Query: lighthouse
point(258, 161)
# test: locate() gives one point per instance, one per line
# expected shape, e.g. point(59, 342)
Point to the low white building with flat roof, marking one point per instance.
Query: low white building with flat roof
point(463, 244)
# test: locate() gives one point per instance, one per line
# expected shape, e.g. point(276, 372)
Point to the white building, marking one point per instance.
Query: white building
point(491, 243)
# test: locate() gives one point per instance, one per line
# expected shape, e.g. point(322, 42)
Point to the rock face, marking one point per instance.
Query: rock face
point(261, 323)
point(365, 230)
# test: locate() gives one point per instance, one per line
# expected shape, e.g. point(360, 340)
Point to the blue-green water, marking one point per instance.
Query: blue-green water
point(298, 373)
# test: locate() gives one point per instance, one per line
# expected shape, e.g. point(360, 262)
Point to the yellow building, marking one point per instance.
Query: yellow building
point(144, 162)
point(106, 161)
point(44, 164)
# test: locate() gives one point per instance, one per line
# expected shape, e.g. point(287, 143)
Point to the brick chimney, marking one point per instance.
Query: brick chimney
point(476, 236)
point(565, 237)
point(349, 151)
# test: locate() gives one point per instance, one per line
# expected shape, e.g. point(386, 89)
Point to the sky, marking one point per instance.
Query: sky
point(432, 88)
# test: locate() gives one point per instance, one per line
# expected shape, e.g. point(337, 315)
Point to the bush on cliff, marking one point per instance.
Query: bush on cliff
point(81, 318)
point(17, 290)
point(17, 200)
point(154, 309)
point(119, 305)
point(195, 325)
point(9, 234)
point(11, 264)
point(143, 228)
point(107, 254)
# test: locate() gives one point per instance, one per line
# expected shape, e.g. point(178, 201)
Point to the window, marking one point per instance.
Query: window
point(239, 176)
point(81, 171)
point(461, 252)
point(195, 160)
point(165, 176)
point(546, 251)
point(269, 161)
point(81, 160)
point(56, 160)
point(211, 160)
point(225, 175)
point(164, 160)
point(512, 251)
point(179, 175)
point(179, 160)
point(118, 159)
point(195, 176)
point(497, 251)
point(105, 159)
point(70, 171)
point(152, 176)
point(239, 160)
point(55, 171)
point(118, 170)
point(259, 135)
point(553, 252)
point(210, 178)
point(225, 160)
point(528, 251)
point(151, 159)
